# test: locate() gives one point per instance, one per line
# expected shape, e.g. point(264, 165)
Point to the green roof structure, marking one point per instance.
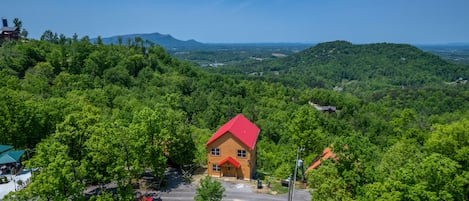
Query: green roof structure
point(4, 148)
point(11, 156)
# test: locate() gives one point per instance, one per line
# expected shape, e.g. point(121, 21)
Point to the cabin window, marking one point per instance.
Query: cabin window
point(215, 151)
point(216, 168)
point(242, 153)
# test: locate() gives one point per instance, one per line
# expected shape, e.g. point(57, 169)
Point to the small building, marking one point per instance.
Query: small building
point(231, 151)
point(8, 33)
point(321, 108)
point(326, 154)
point(460, 80)
point(10, 166)
point(9, 159)
point(4, 148)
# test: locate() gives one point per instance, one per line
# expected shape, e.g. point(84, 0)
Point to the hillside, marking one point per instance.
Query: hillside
point(226, 54)
point(96, 114)
point(340, 63)
point(165, 40)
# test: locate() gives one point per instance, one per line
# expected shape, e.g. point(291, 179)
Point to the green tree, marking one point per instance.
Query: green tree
point(104, 196)
point(306, 130)
point(20, 119)
point(327, 184)
point(380, 191)
point(76, 129)
point(180, 146)
point(59, 177)
point(24, 33)
point(397, 156)
point(119, 40)
point(209, 190)
point(159, 130)
point(18, 23)
point(99, 40)
point(201, 136)
point(118, 76)
point(49, 36)
point(441, 175)
point(102, 155)
point(357, 160)
point(452, 141)
point(38, 79)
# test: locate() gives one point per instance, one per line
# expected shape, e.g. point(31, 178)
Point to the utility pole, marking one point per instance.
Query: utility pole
point(296, 168)
point(289, 188)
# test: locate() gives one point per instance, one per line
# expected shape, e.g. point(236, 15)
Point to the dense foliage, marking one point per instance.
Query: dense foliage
point(209, 190)
point(95, 113)
point(355, 67)
point(216, 55)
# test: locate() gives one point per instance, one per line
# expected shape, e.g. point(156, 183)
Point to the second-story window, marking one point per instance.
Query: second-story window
point(215, 151)
point(242, 153)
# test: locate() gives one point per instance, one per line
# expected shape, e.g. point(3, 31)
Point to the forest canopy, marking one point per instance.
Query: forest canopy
point(96, 113)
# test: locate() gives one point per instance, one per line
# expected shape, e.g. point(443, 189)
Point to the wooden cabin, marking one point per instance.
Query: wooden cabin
point(231, 151)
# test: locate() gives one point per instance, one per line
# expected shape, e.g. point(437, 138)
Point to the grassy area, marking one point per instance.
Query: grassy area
point(277, 187)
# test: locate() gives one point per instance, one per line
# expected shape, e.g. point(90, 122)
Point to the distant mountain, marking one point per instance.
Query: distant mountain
point(165, 40)
point(340, 62)
point(173, 44)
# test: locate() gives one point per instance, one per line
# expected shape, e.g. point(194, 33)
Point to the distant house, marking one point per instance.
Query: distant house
point(323, 108)
point(326, 154)
point(10, 166)
point(8, 33)
point(338, 89)
point(460, 80)
point(9, 159)
point(231, 151)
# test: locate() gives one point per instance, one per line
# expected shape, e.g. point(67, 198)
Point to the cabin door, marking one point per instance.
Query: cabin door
point(229, 171)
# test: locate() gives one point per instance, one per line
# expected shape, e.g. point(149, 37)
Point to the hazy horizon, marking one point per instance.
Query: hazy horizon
point(299, 43)
point(243, 21)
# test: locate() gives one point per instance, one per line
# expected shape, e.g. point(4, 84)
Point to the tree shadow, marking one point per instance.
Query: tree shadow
point(173, 179)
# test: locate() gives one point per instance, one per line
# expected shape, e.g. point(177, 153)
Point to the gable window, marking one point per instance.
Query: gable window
point(216, 168)
point(215, 151)
point(242, 153)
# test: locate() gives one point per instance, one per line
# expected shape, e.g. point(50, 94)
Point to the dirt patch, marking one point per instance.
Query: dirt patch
point(198, 173)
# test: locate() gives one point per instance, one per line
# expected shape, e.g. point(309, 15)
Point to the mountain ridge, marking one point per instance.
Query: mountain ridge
point(171, 43)
point(165, 40)
point(337, 62)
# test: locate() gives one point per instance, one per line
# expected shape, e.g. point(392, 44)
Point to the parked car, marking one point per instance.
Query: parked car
point(285, 182)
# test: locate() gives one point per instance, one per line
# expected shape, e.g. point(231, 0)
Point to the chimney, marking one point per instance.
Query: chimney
point(5, 22)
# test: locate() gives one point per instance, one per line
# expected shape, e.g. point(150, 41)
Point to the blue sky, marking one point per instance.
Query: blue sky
point(241, 21)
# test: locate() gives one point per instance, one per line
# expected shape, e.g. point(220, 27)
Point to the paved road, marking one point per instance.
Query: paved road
point(234, 191)
point(12, 185)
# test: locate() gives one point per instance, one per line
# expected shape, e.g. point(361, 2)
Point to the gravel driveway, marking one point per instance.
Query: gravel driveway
point(234, 190)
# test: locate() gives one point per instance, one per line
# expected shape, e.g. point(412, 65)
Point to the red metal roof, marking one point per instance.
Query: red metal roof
point(240, 127)
point(229, 160)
